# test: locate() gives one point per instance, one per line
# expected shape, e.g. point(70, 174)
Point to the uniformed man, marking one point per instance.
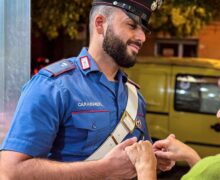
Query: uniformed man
point(72, 113)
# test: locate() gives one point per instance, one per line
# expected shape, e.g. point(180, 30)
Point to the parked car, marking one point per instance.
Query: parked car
point(183, 96)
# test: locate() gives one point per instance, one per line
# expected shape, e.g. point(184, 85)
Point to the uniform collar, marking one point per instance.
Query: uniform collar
point(87, 64)
point(121, 75)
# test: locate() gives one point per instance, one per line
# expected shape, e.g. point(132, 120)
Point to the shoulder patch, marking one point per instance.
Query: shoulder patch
point(135, 84)
point(60, 67)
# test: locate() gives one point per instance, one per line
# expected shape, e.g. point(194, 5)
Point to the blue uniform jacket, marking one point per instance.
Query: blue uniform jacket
point(68, 109)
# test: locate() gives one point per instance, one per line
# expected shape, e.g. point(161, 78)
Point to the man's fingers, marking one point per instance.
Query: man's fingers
point(127, 142)
point(146, 145)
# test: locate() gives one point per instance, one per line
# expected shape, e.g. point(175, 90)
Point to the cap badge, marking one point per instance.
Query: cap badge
point(159, 3)
point(85, 63)
point(154, 6)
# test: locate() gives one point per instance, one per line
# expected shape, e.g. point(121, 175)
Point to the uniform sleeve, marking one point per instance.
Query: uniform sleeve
point(36, 119)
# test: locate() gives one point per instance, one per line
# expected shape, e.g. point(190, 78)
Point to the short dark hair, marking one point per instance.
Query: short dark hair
point(106, 11)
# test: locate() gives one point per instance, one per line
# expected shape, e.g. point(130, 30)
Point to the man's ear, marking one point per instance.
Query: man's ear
point(99, 24)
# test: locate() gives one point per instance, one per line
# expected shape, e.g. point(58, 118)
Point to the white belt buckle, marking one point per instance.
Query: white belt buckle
point(128, 122)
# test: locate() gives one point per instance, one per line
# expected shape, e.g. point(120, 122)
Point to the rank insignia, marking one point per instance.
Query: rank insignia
point(85, 63)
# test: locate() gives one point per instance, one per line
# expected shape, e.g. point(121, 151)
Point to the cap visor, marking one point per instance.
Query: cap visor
point(147, 28)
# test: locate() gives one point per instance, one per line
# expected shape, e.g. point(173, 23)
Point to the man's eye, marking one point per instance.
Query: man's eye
point(132, 26)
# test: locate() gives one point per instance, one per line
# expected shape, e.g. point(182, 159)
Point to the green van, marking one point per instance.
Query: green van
point(183, 96)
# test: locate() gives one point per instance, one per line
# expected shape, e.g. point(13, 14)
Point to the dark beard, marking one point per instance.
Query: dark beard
point(117, 49)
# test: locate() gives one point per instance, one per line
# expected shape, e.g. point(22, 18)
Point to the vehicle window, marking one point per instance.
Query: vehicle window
point(194, 93)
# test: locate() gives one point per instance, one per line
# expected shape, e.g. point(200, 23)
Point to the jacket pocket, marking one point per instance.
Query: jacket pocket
point(96, 125)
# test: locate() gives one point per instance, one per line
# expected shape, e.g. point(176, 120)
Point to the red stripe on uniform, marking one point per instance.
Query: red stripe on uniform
point(89, 111)
point(141, 115)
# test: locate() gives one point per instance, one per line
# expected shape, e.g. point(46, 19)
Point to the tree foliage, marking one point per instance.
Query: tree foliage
point(178, 18)
point(54, 17)
point(181, 18)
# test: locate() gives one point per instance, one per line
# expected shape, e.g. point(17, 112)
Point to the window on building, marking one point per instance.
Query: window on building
point(176, 48)
point(195, 93)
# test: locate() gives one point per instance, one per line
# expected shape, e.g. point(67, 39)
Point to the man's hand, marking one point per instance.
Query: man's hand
point(118, 164)
point(115, 165)
point(174, 150)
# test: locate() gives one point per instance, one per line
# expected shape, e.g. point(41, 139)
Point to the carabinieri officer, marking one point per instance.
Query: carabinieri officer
point(83, 107)
point(68, 110)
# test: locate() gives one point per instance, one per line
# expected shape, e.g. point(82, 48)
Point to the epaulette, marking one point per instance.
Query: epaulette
point(60, 67)
point(135, 84)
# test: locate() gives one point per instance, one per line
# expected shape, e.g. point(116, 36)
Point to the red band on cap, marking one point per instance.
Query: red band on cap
point(125, 3)
point(141, 5)
point(103, 3)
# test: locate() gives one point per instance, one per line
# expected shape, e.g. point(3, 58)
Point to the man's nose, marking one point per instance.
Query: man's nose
point(140, 35)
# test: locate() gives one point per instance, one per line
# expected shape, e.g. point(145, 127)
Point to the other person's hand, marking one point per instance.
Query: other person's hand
point(164, 164)
point(174, 150)
point(142, 157)
point(218, 114)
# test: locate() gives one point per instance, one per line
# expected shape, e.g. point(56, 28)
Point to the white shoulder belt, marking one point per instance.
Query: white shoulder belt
point(124, 127)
